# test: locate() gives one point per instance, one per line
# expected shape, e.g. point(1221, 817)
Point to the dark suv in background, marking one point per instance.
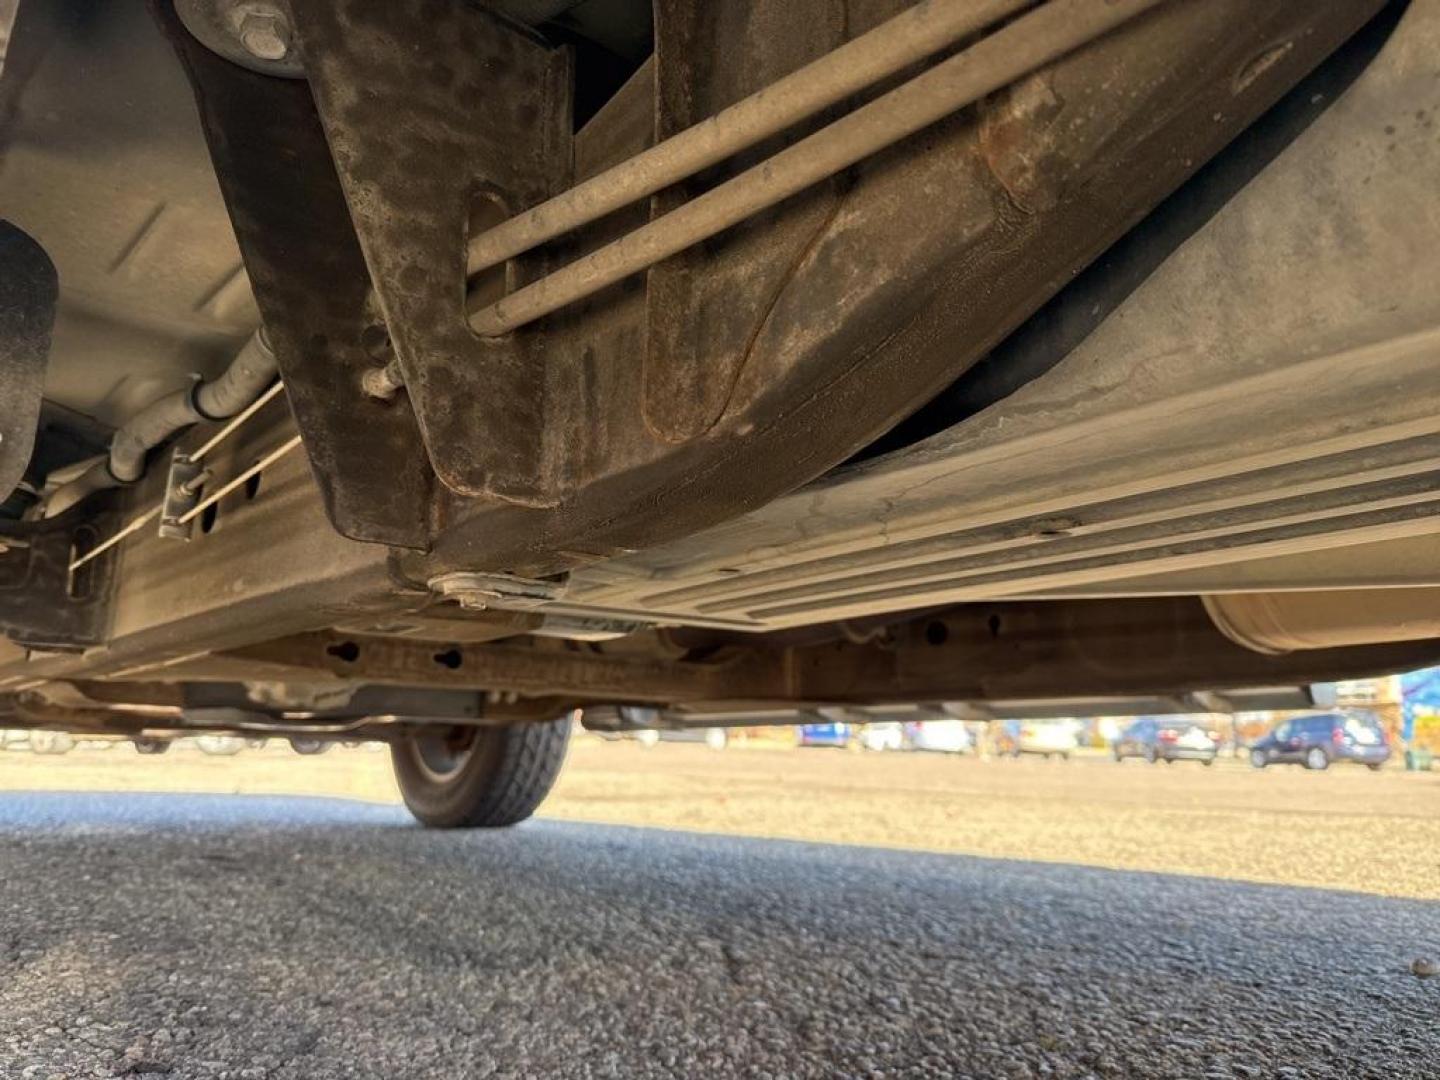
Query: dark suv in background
point(1316, 741)
point(1176, 738)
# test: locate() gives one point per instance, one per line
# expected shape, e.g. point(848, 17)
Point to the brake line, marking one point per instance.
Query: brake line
point(1037, 38)
point(219, 437)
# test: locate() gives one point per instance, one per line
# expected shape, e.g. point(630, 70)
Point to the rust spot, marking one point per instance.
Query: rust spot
point(1018, 141)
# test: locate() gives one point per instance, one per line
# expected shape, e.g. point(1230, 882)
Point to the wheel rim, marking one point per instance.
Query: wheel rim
point(442, 755)
point(1317, 759)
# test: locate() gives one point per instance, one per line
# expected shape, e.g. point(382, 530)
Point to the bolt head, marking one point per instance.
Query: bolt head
point(265, 34)
point(379, 383)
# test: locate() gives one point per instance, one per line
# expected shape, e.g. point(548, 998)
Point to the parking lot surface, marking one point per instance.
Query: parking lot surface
point(1346, 828)
point(307, 939)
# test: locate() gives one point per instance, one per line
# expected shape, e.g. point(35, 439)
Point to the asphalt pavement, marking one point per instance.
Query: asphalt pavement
point(215, 936)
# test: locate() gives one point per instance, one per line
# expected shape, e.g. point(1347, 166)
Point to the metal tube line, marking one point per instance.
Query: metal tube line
point(921, 31)
point(209, 445)
point(1030, 42)
point(229, 429)
point(225, 489)
point(101, 548)
point(247, 374)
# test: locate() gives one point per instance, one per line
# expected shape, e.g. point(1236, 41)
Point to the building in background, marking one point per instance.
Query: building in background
point(1420, 709)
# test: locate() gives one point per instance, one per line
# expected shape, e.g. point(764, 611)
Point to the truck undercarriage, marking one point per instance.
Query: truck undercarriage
point(431, 366)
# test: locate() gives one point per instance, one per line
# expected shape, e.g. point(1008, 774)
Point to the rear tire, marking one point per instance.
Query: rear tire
point(475, 777)
point(1317, 760)
point(302, 744)
point(1258, 759)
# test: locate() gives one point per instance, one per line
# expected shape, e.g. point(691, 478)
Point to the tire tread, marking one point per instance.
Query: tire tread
point(531, 756)
point(511, 772)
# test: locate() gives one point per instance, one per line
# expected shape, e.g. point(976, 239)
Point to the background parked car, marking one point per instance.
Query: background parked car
point(714, 737)
point(943, 736)
point(647, 726)
point(51, 742)
point(836, 733)
point(883, 735)
point(1049, 738)
point(1316, 741)
point(1158, 738)
point(220, 745)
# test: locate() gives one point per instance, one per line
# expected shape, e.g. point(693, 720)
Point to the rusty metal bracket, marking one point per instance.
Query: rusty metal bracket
point(705, 305)
point(439, 114)
point(504, 592)
point(312, 286)
point(183, 484)
point(44, 604)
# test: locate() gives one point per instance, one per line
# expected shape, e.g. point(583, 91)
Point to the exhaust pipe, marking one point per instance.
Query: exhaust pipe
point(1282, 622)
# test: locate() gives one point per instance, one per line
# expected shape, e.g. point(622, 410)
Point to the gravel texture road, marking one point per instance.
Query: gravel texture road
point(187, 936)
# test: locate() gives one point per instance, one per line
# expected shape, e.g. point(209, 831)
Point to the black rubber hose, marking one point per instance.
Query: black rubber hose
point(252, 370)
point(147, 429)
